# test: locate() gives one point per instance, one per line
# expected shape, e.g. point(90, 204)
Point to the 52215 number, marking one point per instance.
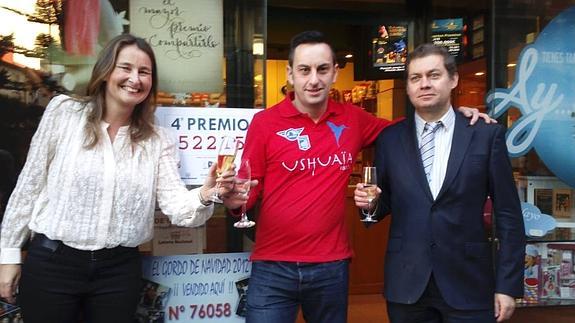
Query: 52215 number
point(200, 143)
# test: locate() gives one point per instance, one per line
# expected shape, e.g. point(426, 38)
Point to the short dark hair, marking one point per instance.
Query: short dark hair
point(309, 37)
point(428, 49)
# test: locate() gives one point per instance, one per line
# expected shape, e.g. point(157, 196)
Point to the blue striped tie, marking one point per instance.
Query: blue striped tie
point(427, 146)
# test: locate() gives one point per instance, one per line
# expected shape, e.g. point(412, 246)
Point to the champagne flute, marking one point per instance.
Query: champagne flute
point(243, 179)
point(370, 187)
point(227, 151)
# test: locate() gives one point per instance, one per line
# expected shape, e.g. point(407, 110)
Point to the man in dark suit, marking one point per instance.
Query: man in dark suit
point(435, 174)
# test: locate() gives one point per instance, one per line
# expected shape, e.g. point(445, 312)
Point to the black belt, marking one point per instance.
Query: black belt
point(58, 246)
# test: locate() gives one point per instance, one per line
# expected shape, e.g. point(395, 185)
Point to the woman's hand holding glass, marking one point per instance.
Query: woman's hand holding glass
point(215, 185)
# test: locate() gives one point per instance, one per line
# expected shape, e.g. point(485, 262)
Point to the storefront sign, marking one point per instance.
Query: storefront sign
point(544, 93)
point(198, 288)
point(537, 224)
point(188, 40)
point(448, 33)
point(197, 132)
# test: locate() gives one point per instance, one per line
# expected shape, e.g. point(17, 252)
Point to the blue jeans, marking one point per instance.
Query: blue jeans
point(276, 290)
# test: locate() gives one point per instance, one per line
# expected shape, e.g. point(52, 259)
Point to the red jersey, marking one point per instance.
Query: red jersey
point(303, 170)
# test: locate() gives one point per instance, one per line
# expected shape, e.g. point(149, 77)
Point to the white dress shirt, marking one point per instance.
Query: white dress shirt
point(443, 138)
point(94, 198)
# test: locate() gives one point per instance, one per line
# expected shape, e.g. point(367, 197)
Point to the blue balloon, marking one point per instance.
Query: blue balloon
point(544, 92)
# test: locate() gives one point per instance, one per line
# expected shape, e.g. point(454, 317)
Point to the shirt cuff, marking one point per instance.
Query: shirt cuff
point(202, 201)
point(10, 256)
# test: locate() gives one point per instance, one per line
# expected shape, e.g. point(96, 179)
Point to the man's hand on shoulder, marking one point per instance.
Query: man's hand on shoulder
point(474, 115)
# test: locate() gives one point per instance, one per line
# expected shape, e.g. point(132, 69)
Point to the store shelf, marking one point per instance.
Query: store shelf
point(550, 257)
point(548, 302)
point(565, 224)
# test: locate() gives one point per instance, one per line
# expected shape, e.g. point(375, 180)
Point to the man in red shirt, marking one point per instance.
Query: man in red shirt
point(302, 151)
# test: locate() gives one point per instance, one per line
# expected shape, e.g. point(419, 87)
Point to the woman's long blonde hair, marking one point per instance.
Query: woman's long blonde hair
point(142, 121)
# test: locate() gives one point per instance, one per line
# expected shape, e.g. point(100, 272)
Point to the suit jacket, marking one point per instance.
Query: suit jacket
point(446, 236)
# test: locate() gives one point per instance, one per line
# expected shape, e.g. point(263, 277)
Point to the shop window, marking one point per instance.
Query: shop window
point(533, 96)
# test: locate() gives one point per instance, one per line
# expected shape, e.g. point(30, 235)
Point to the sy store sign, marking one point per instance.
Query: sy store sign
point(544, 92)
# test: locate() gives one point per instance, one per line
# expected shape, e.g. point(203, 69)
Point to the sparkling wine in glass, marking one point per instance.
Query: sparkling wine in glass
point(227, 150)
point(370, 187)
point(243, 179)
point(224, 163)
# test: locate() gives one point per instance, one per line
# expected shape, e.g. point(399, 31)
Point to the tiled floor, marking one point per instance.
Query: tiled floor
point(364, 309)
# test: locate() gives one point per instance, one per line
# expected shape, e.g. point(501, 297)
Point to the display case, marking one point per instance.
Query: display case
point(553, 198)
point(549, 217)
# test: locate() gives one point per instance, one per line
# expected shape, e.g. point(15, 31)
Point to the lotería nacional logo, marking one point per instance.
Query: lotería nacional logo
point(544, 92)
